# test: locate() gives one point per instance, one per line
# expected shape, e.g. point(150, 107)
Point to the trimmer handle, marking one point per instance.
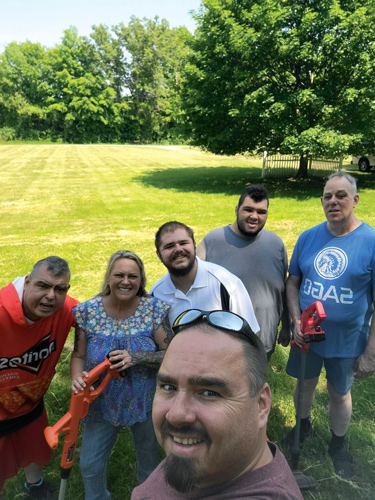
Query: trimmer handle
point(79, 406)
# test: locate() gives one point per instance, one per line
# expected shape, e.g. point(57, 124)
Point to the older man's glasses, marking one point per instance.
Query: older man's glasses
point(220, 319)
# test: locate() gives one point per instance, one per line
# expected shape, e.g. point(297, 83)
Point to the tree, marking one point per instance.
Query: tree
point(111, 59)
point(289, 76)
point(23, 69)
point(155, 55)
point(82, 104)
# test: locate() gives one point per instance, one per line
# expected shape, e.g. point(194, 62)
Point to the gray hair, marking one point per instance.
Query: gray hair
point(254, 353)
point(124, 254)
point(352, 181)
point(55, 265)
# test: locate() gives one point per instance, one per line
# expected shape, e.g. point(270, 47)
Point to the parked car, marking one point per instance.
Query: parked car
point(364, 162)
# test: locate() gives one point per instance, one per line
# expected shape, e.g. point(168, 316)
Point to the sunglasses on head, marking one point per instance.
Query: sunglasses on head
point(224, 320)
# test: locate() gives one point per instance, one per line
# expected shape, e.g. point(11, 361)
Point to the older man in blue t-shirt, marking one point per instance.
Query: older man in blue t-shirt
point(334, 263)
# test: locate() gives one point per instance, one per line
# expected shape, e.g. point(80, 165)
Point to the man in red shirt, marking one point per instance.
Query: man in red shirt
point(35, 319)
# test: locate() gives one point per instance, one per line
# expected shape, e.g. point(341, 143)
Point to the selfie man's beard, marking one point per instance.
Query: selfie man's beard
point(181, 473)
point(180, 273)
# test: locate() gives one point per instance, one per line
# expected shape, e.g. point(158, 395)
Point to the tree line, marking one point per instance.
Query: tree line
point(118, 85)
point(293, 76)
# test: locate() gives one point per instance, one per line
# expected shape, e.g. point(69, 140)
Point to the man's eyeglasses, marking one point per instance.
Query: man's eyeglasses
point(221, 319)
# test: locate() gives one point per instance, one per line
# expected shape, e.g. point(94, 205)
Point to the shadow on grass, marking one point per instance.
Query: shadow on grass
point(232, 181)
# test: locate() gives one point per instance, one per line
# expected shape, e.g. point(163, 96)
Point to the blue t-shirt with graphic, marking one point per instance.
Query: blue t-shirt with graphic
point(340, 272)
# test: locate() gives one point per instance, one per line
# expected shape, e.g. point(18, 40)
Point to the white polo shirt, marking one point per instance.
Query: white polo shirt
point(204, 293)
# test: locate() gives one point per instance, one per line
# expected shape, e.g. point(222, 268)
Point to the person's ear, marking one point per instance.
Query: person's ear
point(264, 405)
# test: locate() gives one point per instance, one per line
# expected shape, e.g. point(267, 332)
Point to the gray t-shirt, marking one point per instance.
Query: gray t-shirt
point(261, 263)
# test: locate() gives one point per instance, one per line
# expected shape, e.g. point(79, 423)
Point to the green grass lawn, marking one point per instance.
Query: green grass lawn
point(85, 202)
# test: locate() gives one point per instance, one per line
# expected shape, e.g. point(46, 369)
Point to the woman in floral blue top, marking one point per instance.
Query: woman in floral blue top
point(133, 327)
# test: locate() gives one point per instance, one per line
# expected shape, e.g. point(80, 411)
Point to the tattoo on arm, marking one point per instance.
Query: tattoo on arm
point(151, 359)
point(168, 330)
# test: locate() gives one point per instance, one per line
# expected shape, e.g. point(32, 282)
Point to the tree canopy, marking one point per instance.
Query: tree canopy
point(289, 76)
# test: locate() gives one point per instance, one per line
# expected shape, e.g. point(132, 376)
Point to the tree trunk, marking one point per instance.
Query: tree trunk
point(302, 171)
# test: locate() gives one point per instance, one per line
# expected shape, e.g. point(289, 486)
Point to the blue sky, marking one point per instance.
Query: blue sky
point(44, 21)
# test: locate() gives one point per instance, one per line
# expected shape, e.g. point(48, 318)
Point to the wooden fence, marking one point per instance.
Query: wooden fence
point(284, 165)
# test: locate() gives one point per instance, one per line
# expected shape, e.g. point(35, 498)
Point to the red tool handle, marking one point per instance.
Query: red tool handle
point(79, 406)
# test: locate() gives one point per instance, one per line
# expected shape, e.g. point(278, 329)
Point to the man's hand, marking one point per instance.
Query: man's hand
point(364, 366)
point(284, 336)
point(298, 336)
